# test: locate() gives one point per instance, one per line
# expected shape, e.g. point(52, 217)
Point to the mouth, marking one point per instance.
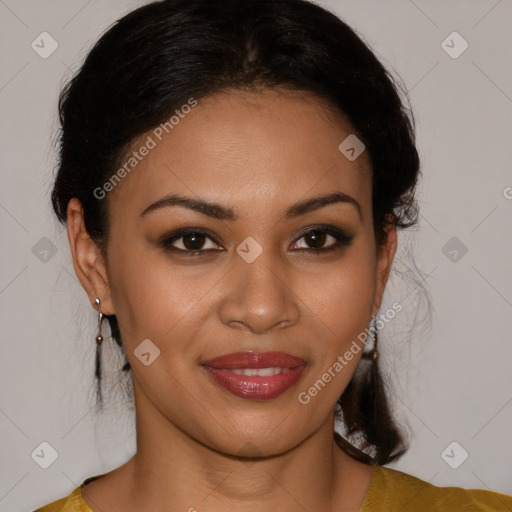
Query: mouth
point(254, 375)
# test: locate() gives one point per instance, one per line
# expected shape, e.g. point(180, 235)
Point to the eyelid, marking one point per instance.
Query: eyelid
point(167, 240)
point(328, 228)
point(179, 233)
point(342, 239)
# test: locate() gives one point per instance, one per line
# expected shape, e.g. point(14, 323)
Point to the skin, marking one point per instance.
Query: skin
point(257, 152)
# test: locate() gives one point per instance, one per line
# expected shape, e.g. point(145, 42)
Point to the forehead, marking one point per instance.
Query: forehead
point(248, 150)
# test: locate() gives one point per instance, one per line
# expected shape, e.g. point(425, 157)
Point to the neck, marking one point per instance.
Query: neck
point(173, 471)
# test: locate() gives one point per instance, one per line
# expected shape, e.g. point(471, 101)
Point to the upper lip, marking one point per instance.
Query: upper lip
point(255, 360)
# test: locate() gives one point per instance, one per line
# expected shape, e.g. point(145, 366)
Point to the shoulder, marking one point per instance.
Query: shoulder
point(72, 503)
point(393, 490)
point(69, 504)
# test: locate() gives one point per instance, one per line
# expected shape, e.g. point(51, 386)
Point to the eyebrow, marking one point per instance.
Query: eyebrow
point(220, 212)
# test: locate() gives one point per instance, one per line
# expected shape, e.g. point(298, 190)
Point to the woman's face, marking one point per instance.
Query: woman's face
point(258, 286)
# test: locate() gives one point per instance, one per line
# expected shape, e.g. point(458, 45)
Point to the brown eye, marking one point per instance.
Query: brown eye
point(189, 241)
point(194, 241)
point(316, 238)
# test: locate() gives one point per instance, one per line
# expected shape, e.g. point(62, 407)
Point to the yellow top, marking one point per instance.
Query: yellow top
point(390, 491)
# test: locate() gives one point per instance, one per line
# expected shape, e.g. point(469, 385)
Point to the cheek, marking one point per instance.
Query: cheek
point(157, 300)
point(152, 296)
point(342, 296)
point(339, 306)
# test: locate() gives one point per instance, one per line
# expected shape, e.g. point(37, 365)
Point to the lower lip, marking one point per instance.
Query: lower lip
point(255, 387)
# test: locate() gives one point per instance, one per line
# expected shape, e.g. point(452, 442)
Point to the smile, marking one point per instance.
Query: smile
point(256, 376)
point(262, 372)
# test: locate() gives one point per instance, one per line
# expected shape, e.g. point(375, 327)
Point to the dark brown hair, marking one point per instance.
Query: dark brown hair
point(155, 58)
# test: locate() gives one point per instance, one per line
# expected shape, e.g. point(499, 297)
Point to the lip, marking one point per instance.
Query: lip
point(255, 387)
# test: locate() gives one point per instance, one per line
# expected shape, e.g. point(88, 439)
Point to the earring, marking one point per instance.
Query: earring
point(99, 340)
point(373, 354)
point(373, 327)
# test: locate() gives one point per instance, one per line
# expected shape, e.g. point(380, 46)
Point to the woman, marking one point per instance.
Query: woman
point(232, 176)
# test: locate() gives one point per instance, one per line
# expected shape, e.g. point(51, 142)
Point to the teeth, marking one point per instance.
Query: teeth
point(262, 372)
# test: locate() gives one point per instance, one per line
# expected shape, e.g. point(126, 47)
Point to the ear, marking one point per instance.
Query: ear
point(385, 256)
point(88, 262)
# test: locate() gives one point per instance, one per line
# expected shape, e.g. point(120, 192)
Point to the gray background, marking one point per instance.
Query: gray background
point(451, 382)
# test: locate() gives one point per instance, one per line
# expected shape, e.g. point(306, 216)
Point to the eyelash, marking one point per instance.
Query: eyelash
point(342, 240)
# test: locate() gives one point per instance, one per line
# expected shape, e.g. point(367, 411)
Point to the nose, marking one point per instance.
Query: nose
point(260, 296)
